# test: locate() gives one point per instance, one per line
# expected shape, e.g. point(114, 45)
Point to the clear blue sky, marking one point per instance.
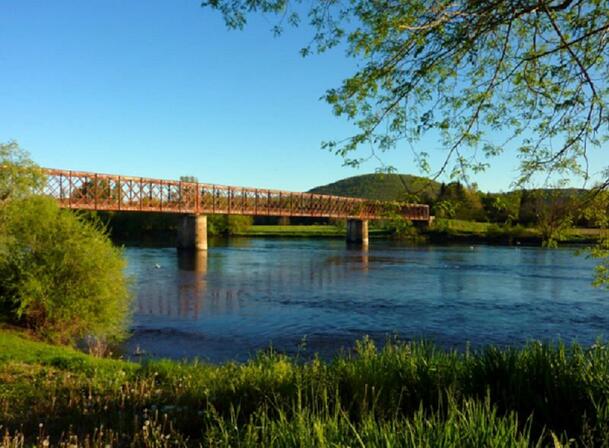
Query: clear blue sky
point(161, 89)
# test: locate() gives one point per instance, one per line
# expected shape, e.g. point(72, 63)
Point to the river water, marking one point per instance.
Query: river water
point(318, 296)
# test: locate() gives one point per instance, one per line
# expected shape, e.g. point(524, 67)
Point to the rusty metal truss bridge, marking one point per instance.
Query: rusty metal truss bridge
point(94, 191)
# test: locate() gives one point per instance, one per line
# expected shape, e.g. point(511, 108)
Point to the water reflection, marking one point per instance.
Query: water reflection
point(243, 295)
point(192, 261)
point(186, 292)
point(359, 256)
point(181, 296)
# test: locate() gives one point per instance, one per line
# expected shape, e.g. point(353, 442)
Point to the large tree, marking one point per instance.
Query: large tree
point(484, 75)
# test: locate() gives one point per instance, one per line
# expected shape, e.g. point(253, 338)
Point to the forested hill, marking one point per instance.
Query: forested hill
point(386, 187)
point(455, 200)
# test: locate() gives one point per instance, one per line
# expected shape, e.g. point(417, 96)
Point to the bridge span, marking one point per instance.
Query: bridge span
point(195, 200)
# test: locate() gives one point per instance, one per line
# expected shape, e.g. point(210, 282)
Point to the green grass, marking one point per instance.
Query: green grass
point(441, 230)
point(294, 230)
point(584, 234)
point(312, 231)
point(15, 346)
point(403, 395)
point(484, 231)
point(460, 225)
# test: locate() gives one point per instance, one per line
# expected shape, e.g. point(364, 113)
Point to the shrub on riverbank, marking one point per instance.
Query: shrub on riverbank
point(402, 395)
point(227, 225)
point(60, 275)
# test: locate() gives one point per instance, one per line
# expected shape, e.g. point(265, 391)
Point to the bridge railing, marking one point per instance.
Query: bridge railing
point(94, 191)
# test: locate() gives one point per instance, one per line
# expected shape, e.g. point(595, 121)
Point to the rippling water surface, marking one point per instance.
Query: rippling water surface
point(247, 294)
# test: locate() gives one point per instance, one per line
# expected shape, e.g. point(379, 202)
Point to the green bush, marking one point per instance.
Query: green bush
point(401, 229)
point(228, 224)
point(339, 224)
point(19, 176)
point(59, 274)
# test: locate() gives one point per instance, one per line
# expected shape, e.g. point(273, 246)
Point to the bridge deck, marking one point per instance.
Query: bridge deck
point(94, 191)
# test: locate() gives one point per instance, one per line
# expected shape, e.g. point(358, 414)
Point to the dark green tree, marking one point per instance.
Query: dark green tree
point(457, 201)
point(502, 208)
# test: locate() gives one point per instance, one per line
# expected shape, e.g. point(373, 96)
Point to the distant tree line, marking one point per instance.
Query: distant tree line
point(524, 207)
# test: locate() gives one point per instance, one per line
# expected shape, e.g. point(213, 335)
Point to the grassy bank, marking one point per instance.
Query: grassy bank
point(443, 230)
point(403, 395)
point(457, 230)
point(312, 231)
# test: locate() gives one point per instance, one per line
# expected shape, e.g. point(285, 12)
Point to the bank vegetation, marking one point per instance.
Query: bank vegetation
point(405, 394)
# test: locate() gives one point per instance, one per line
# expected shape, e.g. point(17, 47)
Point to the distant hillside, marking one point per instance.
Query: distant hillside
point(386, 187)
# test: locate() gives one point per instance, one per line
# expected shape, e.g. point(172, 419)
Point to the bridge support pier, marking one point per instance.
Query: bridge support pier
point(357, 231)
point(192, 232)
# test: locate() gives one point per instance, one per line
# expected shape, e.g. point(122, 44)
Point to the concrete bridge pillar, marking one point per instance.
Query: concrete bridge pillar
point(357, 231)
point(192, 232)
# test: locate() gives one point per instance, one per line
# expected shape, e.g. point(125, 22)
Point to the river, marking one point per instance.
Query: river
point(304, 296)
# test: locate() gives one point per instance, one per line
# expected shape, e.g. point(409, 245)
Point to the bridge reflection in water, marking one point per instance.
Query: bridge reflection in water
point(183, 291)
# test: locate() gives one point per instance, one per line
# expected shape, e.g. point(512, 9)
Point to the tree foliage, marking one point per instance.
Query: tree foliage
point(227, 225)
point(19, 176)
point(454, 200)
point(555, 216)
point(483, 75)
point(59, 273)
point(597, 213)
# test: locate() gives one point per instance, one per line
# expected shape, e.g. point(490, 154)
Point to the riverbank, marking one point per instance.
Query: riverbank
point(162, 230)
point(461, 231)
point(442, 231)
point(402, 395)
point(309, 231)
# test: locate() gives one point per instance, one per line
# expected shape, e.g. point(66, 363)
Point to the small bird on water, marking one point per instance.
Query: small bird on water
point(158, 266)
